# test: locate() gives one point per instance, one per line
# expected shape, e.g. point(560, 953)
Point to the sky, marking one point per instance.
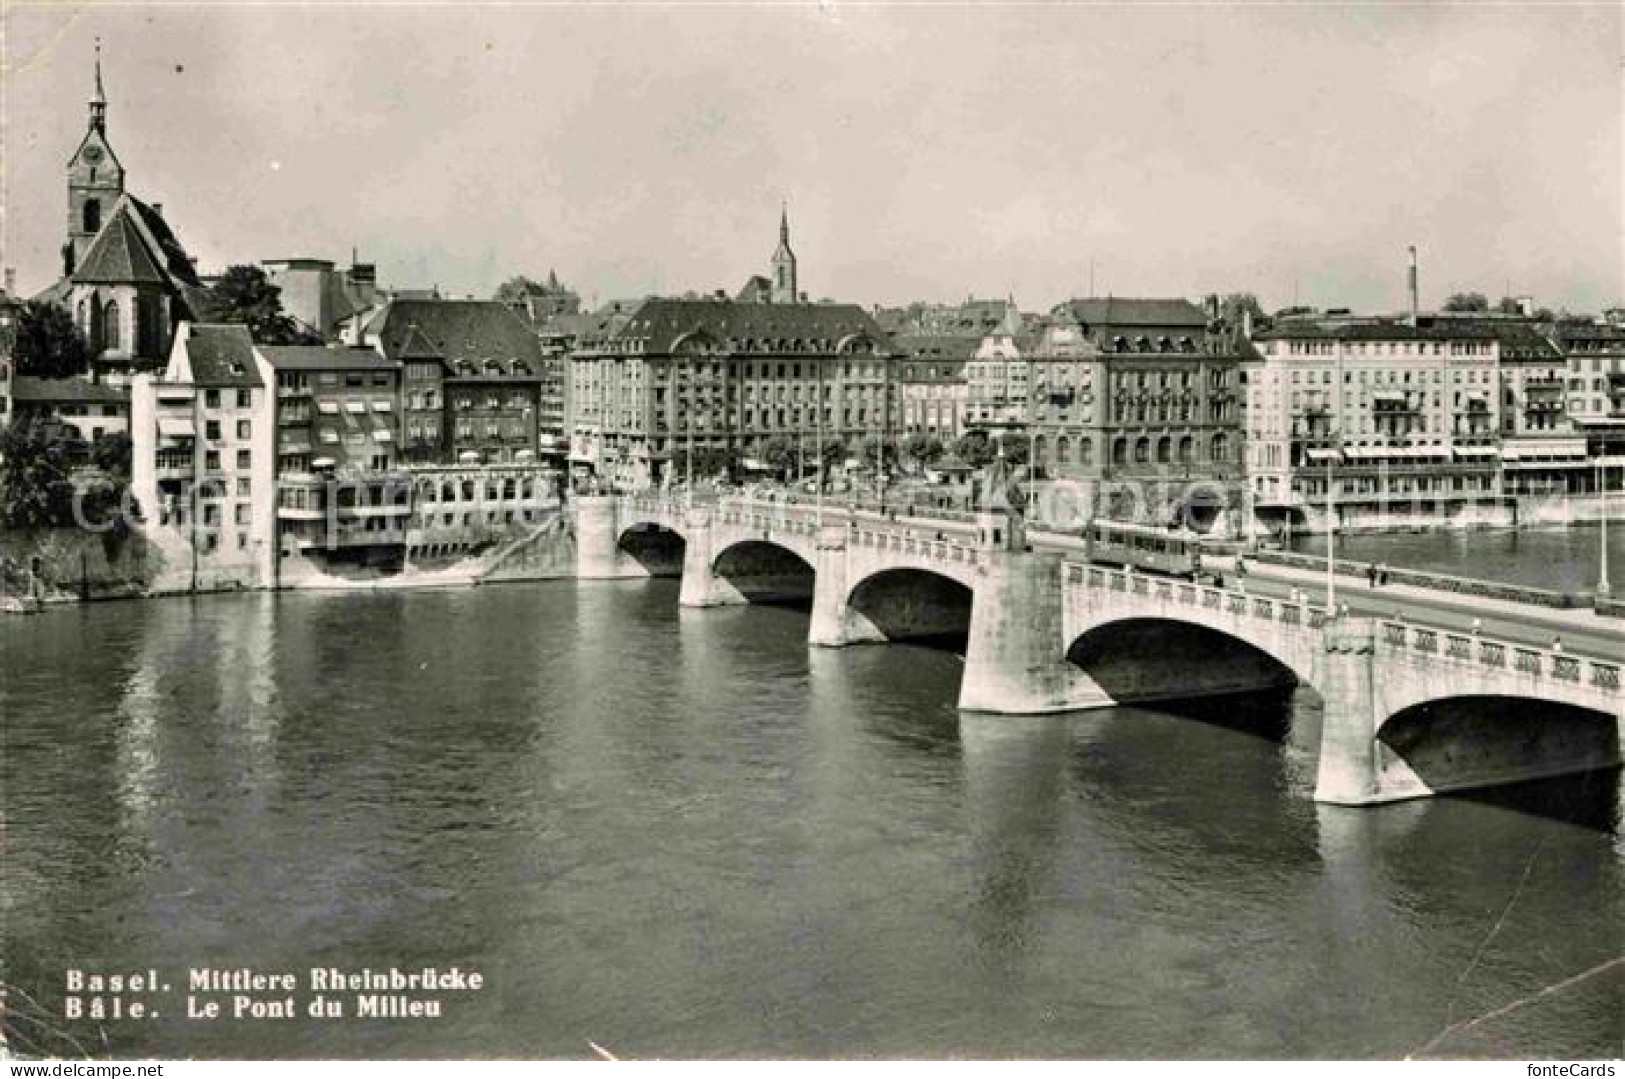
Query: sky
point(926, 151)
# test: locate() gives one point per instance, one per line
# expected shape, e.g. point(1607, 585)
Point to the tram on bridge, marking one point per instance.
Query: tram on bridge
point(1169, 551)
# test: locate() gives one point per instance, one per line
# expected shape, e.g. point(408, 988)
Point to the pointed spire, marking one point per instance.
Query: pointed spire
point(98, 103)
point(784, 221)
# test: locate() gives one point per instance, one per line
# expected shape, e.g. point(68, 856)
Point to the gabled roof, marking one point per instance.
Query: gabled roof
point(322, 358)
point(221, 355)
point(1113, 311)
point(756, 289)
point(753, 326)
point(472, 330)
point(936, 346)
point(175, 258)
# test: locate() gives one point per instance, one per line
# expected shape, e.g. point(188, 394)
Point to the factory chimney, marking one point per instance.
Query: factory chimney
point(1415, 302)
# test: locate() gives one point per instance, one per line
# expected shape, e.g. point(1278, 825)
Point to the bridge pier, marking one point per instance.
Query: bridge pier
point(834, 622)
point(701, 586)
point(599, 556)
point(1015, 656)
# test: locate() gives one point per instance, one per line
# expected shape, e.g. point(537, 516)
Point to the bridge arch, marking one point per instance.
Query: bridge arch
point(1479, 739)
point(1142, 658)
point(765, 571)
point(656, 546)
point(910, 603)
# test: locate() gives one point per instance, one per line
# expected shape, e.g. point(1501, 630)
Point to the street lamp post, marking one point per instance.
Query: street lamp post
point(1603, 588)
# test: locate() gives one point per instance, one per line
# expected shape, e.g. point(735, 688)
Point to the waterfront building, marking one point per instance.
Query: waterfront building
point(1127, 388)
point(931, 383)
point(1595, 353)
point(1406, 412)
point(1540, 451)
point(126, 279)
point(724, 378)
point(475, 380)
point(203, 457)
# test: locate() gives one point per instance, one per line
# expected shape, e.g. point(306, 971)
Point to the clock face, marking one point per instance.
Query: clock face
point(92, 154)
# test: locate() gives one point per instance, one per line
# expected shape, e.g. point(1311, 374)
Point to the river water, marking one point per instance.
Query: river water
point(1559, 559)
point(685, 834)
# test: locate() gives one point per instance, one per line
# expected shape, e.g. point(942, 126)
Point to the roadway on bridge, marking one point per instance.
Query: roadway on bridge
point(1583, 632)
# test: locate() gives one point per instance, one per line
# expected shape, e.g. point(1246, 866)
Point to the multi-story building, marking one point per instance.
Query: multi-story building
point(931, 383)
point(1134, 389)
point(203, 457)
point(996, 376)
point(321, 298)
point(724, 378)
point(1397, 415)
point(1540, 451)
point(474, 375)
point(340, 494)
point(1596, 382)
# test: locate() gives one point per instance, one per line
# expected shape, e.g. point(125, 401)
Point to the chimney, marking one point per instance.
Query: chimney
point(1526, 305)
point(1415, 302)
point(11, 281)
point(1247, 323)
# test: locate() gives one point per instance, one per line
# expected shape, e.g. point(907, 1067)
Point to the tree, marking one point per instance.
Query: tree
point(1467, 301)
point(922, 449)
point(974, 448)
point(35, 491)
point(111, 454)
point(515, 289)
point(245, 295)
point(1233, 305)
point(1016, 449)
point(779, 453)
point(48, 344)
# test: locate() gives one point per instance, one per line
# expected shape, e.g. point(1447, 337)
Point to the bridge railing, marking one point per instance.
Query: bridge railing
point(908, 541)
point(1488, 653)
point(1501, 655)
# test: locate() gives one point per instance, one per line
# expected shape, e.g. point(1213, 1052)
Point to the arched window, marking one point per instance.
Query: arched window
point(84, 318)
point(1039, 448)
point(1221, 447)
point(1187, 449)
point(1086, 451)
point(92, 216)
point(1063, 450)
point(110, 326)
point(1119, 451)
point(1142, 450)
point(1165, 450)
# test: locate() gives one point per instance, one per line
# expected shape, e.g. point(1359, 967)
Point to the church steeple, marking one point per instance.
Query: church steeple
point(98, 104)
point(95, 179)
point(784, 262)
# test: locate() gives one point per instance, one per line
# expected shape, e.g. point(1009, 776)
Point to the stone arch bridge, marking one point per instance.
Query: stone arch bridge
point(1409, 708)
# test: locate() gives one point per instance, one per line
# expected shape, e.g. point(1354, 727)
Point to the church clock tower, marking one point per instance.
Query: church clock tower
point(95, 180)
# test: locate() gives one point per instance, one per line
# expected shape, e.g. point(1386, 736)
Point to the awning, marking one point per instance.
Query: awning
point(1548, 447)
point(330, 437)
point(356, 407)
point(327, 408)
point(381, 406)
point(1477, 451)
point(524, 455)
point(383, 435)
point(468, 457)
point(1324, 455)
point(323, 462)
point(176, 427)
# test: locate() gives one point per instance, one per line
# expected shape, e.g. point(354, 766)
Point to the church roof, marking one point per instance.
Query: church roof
point(754, 327)
point(175, 258)
point(120, 255)
point(757, 289)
